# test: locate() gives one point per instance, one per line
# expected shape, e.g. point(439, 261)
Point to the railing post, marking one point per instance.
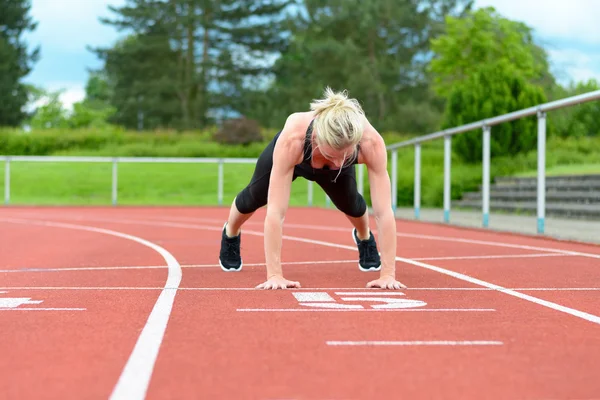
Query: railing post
point(417, 184)
point(361, 185)
point(7, 181)
point(394, 179)
point(310, 193)
point(114, 181)
point(541, 172)
point(486, 176)
point(220, 182)
point(447, 158)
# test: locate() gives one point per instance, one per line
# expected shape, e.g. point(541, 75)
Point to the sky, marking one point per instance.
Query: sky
point(567, 29)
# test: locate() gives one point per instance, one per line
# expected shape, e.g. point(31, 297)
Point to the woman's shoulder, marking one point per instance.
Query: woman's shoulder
point(293, 135)
point(372, 144)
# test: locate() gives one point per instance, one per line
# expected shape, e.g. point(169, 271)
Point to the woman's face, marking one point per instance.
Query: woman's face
point(336, 158)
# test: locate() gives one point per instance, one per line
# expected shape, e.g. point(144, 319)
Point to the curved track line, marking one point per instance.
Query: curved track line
point(557, 307)
point(410, 235)
point(399, 234)
point(135, 378)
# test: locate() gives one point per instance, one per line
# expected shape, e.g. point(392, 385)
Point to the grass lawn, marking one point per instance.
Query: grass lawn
point(35, 183)
point(571, 169)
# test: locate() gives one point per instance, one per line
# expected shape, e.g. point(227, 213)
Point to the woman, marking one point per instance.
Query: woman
point(321, 145)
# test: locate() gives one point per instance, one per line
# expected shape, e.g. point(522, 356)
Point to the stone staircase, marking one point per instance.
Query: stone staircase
point(566, 196)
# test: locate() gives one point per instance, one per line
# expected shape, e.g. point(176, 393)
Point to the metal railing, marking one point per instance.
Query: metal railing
point(177, 160)
point(486, 126)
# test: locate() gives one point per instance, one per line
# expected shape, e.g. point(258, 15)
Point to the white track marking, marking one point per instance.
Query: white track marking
point(366, 310)
point(289, 263)
point(388, 293)
point(312, 296)
point(412, 235)
point(580, 314)
point(247, 289)
point(415, 343)
point(463, 277)
point(499, 256)
point(41, 309)
point(134, 267)
point(135, 377)
point(336, 306)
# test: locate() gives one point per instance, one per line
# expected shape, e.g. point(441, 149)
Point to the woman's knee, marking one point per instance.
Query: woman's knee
point(247, 201)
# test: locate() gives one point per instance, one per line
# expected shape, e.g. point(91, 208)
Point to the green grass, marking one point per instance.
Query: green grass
point(138, 184)
point(560, 170)
point(196, 184)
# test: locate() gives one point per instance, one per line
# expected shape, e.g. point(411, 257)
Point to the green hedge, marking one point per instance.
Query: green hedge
point(465, 177)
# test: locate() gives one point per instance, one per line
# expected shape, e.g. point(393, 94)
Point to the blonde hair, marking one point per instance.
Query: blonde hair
point(338, 121)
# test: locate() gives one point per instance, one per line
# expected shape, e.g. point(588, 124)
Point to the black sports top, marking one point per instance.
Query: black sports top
point(306, 165)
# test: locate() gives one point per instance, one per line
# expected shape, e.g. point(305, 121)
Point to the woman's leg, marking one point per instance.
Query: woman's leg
point(251, 198)
point(344, 195)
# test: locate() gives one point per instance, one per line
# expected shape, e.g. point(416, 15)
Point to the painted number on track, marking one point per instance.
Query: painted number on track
point(348, 300)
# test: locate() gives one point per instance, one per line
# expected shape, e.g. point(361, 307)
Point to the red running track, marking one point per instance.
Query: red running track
point(129, 303)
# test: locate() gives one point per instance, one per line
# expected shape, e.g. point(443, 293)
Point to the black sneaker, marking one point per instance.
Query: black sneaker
point(229, 257)
point(368, 255)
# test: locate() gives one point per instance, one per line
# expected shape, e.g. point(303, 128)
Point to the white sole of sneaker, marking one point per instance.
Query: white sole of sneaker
point(231, 269)
point(359, 267)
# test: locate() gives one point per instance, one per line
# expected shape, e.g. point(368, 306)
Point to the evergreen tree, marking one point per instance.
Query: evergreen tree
point(15, 60)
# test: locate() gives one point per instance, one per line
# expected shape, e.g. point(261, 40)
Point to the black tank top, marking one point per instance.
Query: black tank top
point(306, 165)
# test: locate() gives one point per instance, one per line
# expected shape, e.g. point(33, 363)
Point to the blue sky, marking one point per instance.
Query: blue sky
point(567, 29)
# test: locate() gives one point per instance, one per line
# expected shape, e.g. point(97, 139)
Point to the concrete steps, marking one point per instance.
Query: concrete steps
point(566, 196)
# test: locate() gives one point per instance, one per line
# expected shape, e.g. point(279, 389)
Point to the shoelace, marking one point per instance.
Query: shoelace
point(232, 248)
point(369, 251)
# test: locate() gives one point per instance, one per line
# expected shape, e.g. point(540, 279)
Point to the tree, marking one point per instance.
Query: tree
point(375, 49)
point(583, 119)
point(209, 46)
point(50, 113)
point(484, 66)
point(490, 91)
point(15, 60)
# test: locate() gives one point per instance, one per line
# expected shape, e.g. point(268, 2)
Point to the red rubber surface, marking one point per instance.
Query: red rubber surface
point(214, 349)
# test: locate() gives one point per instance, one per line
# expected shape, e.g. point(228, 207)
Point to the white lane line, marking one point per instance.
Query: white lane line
point(41, 309)
point(289, 263)
point(134, 267)
point(577, 313)
point(476, 289)
point(491, 257)
point(557, 307)
point(135, 377)
point(415, 343)
point(312, 296)
point(387, 293)
point(339, 229)
point(409, 235)
point(366, 310)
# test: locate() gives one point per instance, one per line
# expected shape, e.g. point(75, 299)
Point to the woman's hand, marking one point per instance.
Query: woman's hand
point(278, 282)
point(386, 282)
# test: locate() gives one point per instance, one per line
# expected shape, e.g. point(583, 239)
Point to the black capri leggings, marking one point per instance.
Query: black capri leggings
point(343, 192)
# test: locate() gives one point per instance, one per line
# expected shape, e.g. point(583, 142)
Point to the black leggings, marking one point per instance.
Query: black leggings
point(343, 192)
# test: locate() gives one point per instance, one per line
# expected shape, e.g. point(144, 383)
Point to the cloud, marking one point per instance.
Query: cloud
point(71, 25)
point(570, 64)
point(572, 19)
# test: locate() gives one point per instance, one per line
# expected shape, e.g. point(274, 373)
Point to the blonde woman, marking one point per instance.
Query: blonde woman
point(321, 145)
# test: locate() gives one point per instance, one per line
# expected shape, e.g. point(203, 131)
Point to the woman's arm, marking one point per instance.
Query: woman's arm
point(286, 154)
point(375, 158)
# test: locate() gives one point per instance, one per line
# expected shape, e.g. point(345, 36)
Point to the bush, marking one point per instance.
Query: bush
point(239, 131)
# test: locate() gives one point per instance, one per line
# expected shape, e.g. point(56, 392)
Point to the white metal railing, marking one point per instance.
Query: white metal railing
point(117, 160)
point(485, 125)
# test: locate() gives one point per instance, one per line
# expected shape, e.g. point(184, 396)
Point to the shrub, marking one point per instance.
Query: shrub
point(239, 131)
